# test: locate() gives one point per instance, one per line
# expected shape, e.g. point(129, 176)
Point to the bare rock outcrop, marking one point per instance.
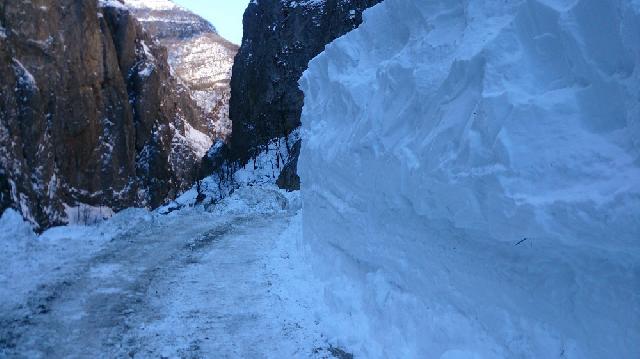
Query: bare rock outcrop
point(91, 120)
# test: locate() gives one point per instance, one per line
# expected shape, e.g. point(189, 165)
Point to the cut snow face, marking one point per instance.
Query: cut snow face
point(471, 179)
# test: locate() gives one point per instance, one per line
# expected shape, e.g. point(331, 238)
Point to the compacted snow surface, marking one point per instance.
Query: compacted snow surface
point(471, 179)
point(225, 278)
point(228, 282)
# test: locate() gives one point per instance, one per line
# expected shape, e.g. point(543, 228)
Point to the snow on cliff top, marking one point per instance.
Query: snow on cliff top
point(152, 4)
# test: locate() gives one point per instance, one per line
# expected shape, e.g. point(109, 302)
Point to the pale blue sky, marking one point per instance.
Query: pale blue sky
point(225, 15)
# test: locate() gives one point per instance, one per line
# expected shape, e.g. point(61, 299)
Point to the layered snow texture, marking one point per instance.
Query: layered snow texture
point(471, 179)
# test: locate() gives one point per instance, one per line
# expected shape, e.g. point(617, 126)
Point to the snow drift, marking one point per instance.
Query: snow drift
point(471, 179)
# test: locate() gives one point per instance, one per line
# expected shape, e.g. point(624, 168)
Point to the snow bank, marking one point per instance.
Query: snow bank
point(28, 261)
point(14, 227)
point(84, 214)
point(471, 179)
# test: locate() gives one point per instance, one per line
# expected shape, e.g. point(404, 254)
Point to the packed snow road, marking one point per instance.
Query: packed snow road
point(188, 284)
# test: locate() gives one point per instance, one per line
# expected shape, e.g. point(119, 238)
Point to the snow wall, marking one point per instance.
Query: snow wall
point(471, 179)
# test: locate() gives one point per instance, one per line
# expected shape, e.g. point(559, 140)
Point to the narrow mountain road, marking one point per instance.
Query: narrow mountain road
point(188, 285)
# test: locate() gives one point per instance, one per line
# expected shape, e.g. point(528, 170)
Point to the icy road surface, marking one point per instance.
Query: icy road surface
point(188, 284)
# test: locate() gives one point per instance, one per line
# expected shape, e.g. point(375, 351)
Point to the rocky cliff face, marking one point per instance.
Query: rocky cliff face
point(280, 38)
point(91, 120)
point(199, 58)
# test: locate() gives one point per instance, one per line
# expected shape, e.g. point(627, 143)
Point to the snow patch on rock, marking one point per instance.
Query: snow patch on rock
point(162, 5)
point(25, 78)
point(198, 141)
point(112, 3)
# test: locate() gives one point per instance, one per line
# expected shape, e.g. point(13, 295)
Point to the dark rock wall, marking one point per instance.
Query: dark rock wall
point(280, 38)
point(88, 111)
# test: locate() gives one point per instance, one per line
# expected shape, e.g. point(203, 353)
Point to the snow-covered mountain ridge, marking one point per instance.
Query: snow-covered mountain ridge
point(471, 179)
point(199, 57)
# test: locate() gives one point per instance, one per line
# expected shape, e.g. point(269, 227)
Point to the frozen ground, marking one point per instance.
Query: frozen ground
point(193, 283)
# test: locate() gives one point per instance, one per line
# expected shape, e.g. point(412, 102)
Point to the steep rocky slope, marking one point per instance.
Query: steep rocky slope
point(199, 57)
point(91, 120)
point(280, 37)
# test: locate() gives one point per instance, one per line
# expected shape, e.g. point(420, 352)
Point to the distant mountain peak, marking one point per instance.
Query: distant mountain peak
point(165, 19)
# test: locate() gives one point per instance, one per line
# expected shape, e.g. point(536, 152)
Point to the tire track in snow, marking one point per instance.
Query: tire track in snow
point(89, 310)
point(192, 286)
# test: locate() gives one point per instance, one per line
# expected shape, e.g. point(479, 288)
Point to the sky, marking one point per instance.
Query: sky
point(225, 15)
